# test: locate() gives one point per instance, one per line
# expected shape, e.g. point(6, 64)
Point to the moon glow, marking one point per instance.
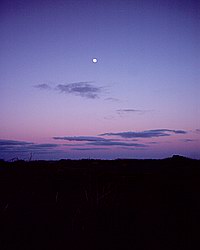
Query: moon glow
point(94, 60)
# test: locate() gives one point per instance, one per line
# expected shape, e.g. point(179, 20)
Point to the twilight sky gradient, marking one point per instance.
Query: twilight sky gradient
point(140, 100)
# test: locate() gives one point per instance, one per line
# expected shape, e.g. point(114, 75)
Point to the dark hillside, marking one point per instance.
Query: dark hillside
point(95, 204)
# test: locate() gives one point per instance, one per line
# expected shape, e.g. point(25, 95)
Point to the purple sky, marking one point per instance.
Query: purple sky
point(140, 100)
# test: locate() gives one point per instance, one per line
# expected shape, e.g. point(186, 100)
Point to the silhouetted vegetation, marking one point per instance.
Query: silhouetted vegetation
point(100, 204)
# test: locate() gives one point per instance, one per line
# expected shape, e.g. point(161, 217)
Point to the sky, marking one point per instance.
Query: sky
point(139, 100)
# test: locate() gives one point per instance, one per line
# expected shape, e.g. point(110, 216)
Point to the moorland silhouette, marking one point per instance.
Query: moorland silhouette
point(99, 204)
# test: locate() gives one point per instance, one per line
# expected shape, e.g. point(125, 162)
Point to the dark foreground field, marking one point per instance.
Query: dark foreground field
point(93, 204)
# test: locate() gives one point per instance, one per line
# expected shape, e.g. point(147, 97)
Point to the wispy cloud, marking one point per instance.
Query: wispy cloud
point(84, 89)
point(131, 111)
point(98, 141)
point(188, 140)
point(88, 149)
point(112, 99)
point(43, 86)
point(116, 143)
point(152, 142)
point(13, 142)
point(146, 133)
point(12, 146)
point(80, 138)
point(109, 117)
point(42, 146)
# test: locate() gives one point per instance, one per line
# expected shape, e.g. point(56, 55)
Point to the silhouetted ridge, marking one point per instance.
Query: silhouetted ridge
point(180, 157)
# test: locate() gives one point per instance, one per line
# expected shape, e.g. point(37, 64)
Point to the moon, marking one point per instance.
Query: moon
point(94, 60)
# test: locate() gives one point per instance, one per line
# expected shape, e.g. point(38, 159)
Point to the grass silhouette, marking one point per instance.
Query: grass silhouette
point(100, 204)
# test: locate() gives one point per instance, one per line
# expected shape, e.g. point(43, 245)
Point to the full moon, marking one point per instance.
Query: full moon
point(94, 60)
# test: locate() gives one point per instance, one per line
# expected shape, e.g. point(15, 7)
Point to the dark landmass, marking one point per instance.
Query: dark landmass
point(100, 204)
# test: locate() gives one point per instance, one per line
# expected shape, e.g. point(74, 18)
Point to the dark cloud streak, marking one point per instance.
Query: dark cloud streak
point(146, 133)
point(187, 140)
point(42, 86)
point(83, 89)
point(88, 149)
point(80, 138)
point(42, 146)
point(12, 146)
point(98, 141)
point(115, 143)
point(13, 143)
point(126, 111)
